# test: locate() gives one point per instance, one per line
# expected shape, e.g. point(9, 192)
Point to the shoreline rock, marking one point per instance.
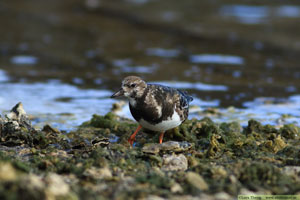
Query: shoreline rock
point(198, 159)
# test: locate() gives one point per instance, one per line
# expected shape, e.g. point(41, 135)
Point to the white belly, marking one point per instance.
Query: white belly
point(170, 123)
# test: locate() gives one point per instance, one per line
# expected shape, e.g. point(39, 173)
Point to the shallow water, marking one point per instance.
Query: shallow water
point(63, 59)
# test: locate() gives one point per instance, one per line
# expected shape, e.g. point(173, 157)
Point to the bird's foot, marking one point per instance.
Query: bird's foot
point(161, 137)
point(132, 137)
point(131, 140)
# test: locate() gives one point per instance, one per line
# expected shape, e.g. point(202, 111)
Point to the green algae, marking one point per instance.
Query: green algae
point(226, 157)
point(290, 131)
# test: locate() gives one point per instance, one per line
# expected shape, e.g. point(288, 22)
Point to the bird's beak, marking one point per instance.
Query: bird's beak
point(117, 94)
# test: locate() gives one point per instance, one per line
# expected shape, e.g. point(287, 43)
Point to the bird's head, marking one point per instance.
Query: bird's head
point(132, 87)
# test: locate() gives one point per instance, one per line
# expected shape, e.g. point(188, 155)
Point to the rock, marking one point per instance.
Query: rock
point(292, 171)
point(170, 146)
point(154, 197)
point(7, 172)
point(213, 146)
point(151, 148)
point(33, 182)
point(176, 188)
point(15, 121)
point(118, 106)
point(33, 187)
point(173, 146)
point(56, 185)
point(189, 197)
point(290, 131)
point(174, 162)
point(98, 173)
point(219, 172)
point(18, 114)
point(196, 181)
point(100, 141)
point(223, 196)
point(48, 129)
point(275, 145)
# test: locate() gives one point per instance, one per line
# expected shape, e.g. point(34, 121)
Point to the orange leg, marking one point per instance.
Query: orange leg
point(132, 137)
point(161, 136)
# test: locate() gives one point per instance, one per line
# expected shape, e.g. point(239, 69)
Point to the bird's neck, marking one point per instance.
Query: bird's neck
point(132, 101)
point(139, 96)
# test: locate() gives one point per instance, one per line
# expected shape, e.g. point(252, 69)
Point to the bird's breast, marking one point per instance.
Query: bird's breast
point(163, 125)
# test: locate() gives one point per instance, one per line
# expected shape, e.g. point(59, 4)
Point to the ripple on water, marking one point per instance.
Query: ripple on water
point(197, 86)
point(160, 52)
point(288, 11)
point(249, 14)
point(43, 100)
point(24, 60)
point(217, 59)
point(3, 76)
point(127, 66)
point(246, 14)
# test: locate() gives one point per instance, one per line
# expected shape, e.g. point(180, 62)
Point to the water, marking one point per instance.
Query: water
point(62, 105)
point(64, 59)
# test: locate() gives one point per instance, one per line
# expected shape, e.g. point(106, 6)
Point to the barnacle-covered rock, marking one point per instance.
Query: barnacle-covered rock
point(170, 146)
point(7, 172)
point(19, 117)
point(97, 173)
point(196, 181)
point(290, 131)
point(100, 141)
point(174, 162)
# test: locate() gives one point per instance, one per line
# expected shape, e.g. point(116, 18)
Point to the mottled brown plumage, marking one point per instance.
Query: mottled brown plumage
point(154, 106)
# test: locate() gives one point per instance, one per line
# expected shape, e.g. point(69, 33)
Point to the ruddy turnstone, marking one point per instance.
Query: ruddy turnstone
point(154, 107)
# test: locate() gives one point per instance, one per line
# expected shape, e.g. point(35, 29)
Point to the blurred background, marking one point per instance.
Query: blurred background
point(63, 59)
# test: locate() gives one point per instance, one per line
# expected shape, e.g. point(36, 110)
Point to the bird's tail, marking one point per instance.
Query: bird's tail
point(187, 96)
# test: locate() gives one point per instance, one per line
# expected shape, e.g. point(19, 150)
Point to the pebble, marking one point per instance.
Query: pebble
point(174, 162)
point(196, 181)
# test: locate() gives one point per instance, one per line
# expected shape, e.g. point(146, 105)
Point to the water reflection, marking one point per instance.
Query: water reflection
point(166, 53)
point(65, 106)
point(95, 45)
point(195, 86)
point(288, 11)
point(245, 13)
point(217, 59)
point(3, 76)
point(62, 105)
point(127, 66)
point(24, 60)
point(250, 14)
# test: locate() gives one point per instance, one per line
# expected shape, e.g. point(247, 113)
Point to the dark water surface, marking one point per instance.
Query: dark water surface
point(64, 58)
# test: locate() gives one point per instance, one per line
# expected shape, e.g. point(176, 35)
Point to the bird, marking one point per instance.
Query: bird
point(155, 107)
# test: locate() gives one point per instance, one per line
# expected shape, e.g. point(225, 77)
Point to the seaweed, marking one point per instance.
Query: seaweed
point(199, 157)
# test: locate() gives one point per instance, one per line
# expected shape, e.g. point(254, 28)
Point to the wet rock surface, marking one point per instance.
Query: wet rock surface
point(198, 160)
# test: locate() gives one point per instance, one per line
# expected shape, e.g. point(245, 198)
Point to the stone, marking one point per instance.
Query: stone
point(33, 183)
point(100, 141)
point(15, 120)
point(56, 185)
point(196, 181)
point(173, 146)
point(7, 172)
point(174, 162)
point(98, 173)
point(223, 196)
point(176, 188)
point(292, 171)
point(151, 148)
point(170, 146)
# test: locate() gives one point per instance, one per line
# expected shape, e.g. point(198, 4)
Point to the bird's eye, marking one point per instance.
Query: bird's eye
point(132, 85)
